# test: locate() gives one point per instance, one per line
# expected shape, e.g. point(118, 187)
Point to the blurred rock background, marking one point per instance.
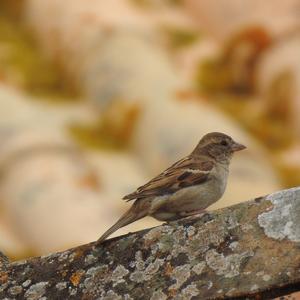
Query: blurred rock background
point(96, 97)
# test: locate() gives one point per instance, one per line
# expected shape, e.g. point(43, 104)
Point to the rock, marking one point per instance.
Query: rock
point(128, 67)
point(53, 194)
point(115, 56)
point(278, 80)
point(248, 251)
point(223, 18)
point(9, 242)
point(63, 200)
point(79, 31)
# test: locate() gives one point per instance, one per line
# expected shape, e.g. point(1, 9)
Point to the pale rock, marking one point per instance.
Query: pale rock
point(128, 67)
point(10, 244)
point(54, 201)
point(188, 58)
point(54, 195)
point(101, 45)
point(222, 18)
point(283, 60)
point(72, 31)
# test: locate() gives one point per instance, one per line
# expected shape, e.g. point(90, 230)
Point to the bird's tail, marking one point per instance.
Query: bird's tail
point(133, 214)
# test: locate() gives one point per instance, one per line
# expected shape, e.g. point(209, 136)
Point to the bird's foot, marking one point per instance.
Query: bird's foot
point(188, 215)
point(195, 214)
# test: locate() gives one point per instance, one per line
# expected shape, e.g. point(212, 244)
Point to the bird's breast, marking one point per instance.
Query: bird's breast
point(219, 179)
point(203, 195)
point(194, 197)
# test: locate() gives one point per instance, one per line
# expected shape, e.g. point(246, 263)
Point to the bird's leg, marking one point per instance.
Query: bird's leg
point(192, 213)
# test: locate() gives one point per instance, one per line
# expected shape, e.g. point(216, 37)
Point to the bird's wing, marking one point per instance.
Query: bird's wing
point(184, 173)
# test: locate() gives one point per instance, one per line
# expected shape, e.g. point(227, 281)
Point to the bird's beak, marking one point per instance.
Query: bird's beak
point(238, 147)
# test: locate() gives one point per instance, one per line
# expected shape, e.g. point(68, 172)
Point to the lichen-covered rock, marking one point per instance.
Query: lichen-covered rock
point(4, 261)
point(236, 252)
point(279, 223)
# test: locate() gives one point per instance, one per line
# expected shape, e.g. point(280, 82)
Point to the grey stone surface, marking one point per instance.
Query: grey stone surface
point(250, 250)
point(283, 220)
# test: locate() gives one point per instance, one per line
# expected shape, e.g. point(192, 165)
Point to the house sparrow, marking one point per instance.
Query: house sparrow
point(186, 188)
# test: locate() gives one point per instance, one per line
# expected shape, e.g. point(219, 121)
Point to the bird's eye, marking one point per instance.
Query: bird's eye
point(224, 143)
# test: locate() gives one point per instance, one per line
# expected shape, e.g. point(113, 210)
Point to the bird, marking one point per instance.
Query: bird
point(187, 187)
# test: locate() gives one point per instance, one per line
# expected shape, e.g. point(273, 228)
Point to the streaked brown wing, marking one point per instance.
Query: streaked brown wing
point(184, 173)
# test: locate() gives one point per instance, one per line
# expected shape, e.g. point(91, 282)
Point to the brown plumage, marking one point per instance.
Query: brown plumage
point(187, 187)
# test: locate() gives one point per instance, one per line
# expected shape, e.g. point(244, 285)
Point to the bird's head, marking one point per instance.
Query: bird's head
point(218, 145)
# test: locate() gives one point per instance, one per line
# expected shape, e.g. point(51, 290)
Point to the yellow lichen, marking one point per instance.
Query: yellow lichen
point(75, 277)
